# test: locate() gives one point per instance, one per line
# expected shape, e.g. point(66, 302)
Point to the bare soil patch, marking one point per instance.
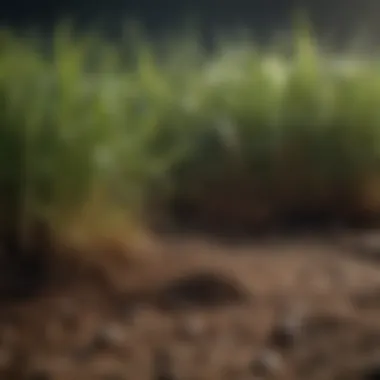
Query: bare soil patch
point(278, 309)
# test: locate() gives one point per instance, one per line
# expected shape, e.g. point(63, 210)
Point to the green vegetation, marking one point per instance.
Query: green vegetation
point(89, 125)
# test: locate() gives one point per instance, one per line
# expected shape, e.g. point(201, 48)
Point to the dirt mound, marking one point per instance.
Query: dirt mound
point(205, 289)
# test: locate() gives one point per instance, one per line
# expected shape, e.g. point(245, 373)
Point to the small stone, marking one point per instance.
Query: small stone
point(191, 327)
point(268, 363)
point(110, 336)
point(287, 329)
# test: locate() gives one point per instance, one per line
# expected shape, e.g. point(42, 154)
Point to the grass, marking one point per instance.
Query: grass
point(90, 130)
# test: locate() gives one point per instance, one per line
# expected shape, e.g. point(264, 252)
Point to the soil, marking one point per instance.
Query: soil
point(300, 308)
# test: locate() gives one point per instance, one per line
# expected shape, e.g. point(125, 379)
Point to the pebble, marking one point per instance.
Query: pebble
point(268, 363)
point(110, 336)
point(287, 329)
point(191, 327)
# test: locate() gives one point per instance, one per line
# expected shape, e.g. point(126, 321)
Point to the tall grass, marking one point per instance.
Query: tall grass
point(86, 125)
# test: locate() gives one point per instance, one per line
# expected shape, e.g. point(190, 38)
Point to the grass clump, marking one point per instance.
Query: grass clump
point(123, 130)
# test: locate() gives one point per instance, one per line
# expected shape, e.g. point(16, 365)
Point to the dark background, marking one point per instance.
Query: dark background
point(339, 18)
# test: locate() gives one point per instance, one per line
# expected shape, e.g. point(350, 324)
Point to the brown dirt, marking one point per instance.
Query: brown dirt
point(301, 309)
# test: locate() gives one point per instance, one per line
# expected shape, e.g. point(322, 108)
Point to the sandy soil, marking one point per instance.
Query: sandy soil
point(295, 309)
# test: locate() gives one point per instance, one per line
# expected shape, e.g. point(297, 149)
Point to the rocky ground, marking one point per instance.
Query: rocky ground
point(295, 309)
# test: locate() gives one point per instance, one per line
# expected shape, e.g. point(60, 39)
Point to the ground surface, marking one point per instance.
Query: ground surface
point(296, 309)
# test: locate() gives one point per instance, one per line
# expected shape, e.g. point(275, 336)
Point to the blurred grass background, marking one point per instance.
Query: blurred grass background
point(98, 136)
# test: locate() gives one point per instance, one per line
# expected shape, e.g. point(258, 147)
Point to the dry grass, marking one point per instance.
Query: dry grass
point(252, 131)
